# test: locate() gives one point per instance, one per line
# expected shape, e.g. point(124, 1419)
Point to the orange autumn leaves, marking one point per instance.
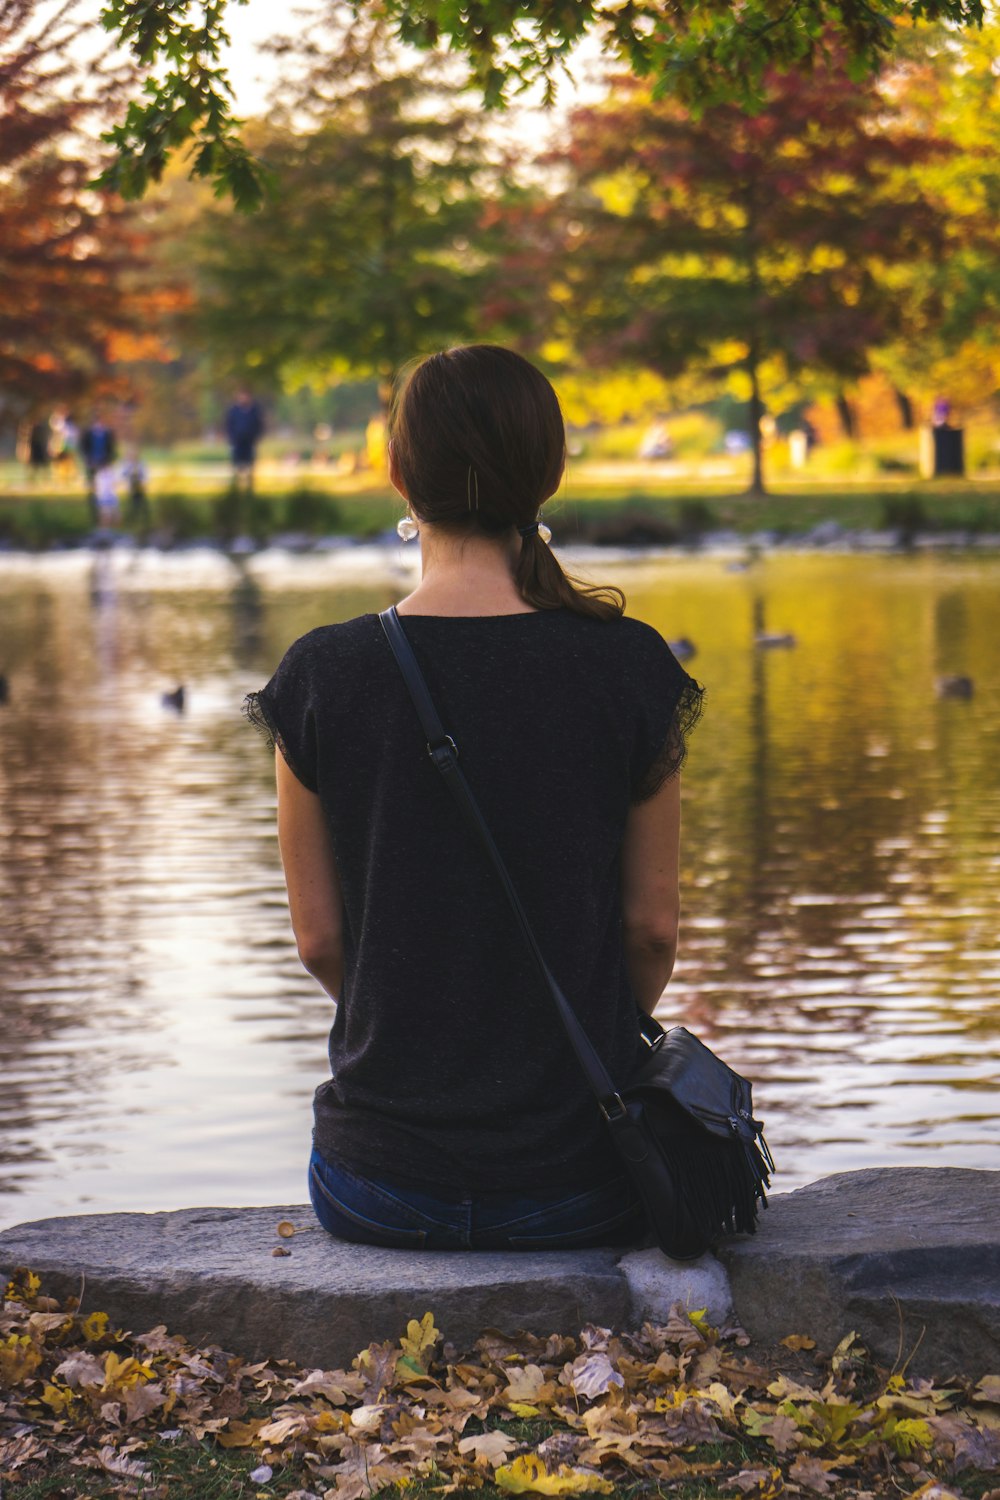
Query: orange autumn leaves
point(667, 1407)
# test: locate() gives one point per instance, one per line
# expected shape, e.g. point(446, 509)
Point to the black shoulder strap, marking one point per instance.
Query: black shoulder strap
point(444, 753)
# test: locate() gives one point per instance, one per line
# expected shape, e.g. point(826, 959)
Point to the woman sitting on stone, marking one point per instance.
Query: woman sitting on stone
point(456, 1114)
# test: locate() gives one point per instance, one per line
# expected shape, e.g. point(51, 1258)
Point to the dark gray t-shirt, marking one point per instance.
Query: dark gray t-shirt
point(449, 1066)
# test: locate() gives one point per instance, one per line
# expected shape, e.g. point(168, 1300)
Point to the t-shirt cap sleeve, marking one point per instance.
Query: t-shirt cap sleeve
point(668, 708)
point(283, 712)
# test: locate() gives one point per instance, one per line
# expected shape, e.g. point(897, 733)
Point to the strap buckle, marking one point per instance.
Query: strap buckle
point(439, 752)
point(617, 1103)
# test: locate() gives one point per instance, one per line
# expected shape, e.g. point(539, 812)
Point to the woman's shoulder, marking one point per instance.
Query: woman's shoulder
point(328, 644)
point(628, 640)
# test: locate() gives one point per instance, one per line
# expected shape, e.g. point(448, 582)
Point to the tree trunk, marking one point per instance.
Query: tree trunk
point(846, 415)
point(756, 438)
point(905, 408)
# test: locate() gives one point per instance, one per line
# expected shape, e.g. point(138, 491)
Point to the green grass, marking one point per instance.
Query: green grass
point(610, 511)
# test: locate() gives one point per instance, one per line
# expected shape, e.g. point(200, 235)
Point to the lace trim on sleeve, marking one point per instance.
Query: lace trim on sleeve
point(674, 752)
point(257, 713)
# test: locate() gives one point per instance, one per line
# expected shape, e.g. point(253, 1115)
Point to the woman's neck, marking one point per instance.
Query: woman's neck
point(465, 575)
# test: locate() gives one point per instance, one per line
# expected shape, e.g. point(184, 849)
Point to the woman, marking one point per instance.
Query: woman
point(456, 1114)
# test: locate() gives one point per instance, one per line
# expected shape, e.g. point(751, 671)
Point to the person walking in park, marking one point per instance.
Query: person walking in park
point(244, 428)
point(65, 443)
point(99, 452)
point(135, 476)
point(39, 450)
point(456, 1114)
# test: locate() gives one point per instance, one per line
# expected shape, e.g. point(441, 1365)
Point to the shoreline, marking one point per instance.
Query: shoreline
point(385, 553)
point(907, 1257)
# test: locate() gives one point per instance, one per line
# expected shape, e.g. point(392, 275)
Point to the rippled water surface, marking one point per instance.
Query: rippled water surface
point(841, 929)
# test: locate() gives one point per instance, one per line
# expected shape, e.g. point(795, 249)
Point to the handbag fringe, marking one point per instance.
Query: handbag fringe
point(719, 1181)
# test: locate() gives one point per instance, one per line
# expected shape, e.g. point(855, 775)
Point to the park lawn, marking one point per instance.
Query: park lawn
point(589, 508)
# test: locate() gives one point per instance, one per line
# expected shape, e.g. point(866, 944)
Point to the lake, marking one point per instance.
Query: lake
point(841, 863)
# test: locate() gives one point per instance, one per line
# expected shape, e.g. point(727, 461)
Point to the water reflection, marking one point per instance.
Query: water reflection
point(841, 864)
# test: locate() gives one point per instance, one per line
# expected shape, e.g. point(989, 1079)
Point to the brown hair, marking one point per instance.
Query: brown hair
point(479, 442)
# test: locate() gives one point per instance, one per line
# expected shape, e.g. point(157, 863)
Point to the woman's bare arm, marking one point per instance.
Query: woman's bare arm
point(650, 892)
point(314, 895)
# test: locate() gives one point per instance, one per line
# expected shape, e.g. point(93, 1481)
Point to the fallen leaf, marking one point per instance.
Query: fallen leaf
point(143, 1399)
point(726, 1401)
point(280, 1250)
point(367, 1418)
point(906, 1434)
point(847, 1350)
point(239, 1434)
point(263, 1475)
point(789, 1388)
point(95, 1326)
point(44, 1322)
point(781, 1432)
point(159, 1341)
point(798, 1341)
point(58, 1399)
point(988, 1389)
point(113, 1462)
point(417, 1346)
point(699, 1318)
point(335, 1386)
point(488, 1447)
point(762, 1484)
point(282, 1428)
point(592, 1375)
point(377, 1366)
point(524, 1383)
point(528, 1475)
point(81, 1369)
point(814, 1473)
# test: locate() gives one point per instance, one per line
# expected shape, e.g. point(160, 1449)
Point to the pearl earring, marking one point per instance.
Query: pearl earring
point(407, 529)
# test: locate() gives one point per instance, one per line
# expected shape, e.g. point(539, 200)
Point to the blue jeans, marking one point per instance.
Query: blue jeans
point(369, 1212)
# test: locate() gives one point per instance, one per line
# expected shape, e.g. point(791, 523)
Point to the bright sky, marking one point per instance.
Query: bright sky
point(252, 72)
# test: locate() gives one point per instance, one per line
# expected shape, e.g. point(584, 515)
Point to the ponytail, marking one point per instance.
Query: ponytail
point(543, 584)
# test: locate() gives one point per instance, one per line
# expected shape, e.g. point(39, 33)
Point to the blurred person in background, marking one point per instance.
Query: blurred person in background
point(99, 452)
point(135, 477)
point(244, 429)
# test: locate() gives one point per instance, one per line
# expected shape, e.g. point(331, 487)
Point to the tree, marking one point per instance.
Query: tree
point(63, 247)
point(949, 345)
point(701, 51)
point(362, 253)
point(751, 247)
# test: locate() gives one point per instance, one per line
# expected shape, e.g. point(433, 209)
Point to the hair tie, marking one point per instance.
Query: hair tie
point(529, 530)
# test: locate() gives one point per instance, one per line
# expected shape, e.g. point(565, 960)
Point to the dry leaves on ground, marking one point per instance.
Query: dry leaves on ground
point(668, 1406)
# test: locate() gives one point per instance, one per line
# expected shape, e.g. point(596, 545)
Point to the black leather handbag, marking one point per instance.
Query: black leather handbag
point(683, 1123)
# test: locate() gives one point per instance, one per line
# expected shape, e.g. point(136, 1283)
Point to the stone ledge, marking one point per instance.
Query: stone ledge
point(885, 1252)
point(908, 1257)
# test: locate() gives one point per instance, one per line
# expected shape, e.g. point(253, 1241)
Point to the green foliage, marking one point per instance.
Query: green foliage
point(179, 517)
point(904, 513)
point(754, 248)
point(41, 523)
point(313, 512)
point(235, 513)
point(362, 254)
point(187, 102)
point(701, 51)
point(947, 342)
